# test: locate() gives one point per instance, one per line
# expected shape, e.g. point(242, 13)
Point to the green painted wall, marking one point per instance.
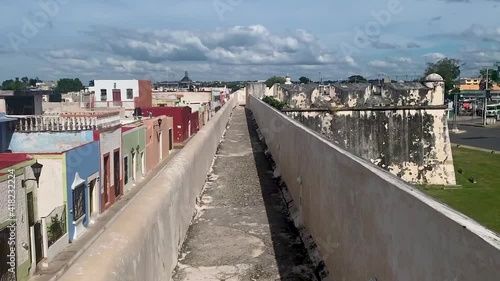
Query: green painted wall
point(23, 271)
point(23, 267)
point(130, 140)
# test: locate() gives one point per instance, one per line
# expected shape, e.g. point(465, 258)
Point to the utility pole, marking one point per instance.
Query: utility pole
point(485, 98)
point(455, 103)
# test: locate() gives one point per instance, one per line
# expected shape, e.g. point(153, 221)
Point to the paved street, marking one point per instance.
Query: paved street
point(487, 138)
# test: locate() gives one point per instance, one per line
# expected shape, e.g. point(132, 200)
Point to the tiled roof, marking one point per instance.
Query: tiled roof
point(11, 159)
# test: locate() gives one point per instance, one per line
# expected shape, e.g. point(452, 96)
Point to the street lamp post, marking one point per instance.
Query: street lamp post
point(37, 170)
point(455, 102)
point(485, 97)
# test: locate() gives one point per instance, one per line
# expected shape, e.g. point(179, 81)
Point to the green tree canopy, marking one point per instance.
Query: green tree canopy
point(493, 74)
point(13, 85)
point(33, 81)
point(448, 68)
point(67, 85)
point(305, 80)
point(235, 86)
point(272, 101)
point(273, 80)
point(357, 79)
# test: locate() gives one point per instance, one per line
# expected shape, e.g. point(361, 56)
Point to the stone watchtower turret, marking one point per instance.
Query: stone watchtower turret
point(435, 82)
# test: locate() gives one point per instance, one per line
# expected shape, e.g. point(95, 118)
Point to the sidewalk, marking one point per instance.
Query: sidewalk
point(477, 121)
point(68, 256)
point(242, 230)
point(475, 148)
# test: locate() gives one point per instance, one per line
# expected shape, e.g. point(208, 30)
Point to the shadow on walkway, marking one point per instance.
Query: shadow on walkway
point(290, 253)
point(242, 230)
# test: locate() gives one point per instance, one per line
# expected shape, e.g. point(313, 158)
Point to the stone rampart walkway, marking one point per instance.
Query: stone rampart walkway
point(242, 230)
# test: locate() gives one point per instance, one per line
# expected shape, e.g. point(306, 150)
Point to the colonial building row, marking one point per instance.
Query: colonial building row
point(68, 168)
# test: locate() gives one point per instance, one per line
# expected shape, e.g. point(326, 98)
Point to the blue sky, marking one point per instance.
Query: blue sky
point(243, 39)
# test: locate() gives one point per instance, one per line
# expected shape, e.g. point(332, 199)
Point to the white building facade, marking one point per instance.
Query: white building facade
point(112, 93)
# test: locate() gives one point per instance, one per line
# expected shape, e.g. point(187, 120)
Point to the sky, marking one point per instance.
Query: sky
point(225, 40)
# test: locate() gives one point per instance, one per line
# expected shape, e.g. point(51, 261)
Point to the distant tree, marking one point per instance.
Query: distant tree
point(33, 81)
point(272, 101)
point(67, 85)
point(234, 86)
point(25, 80)
point(448, 68)
point(273, 80)
point(304, 80)
point(493, 74)
point(13, 85)
point(91, 83)
point(357, 79)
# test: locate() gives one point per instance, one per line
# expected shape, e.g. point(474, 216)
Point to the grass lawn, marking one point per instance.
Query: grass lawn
point(481, 200)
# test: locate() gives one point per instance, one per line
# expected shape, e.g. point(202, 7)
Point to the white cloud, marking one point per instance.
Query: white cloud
point(403, 59)
point(382, 64)
point(235, 45)
point(433, 57)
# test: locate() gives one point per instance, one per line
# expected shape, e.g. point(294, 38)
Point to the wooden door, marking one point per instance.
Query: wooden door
point(117, 97)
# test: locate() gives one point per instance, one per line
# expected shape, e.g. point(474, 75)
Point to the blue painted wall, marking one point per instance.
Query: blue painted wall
point(86, 161)
point(3, 137)
point(48, 142)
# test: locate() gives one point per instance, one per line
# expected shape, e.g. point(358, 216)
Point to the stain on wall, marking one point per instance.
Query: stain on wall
point(411, 143)
point(48, 142)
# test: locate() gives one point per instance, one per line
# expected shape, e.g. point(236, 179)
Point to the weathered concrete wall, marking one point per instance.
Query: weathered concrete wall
point(142, 243)
point(368, 223)
point(241, 96)
point(412, 144)
point(48, 142)
point(62, 107)
point(257, 89)
point(299, 96)
point(361, 94)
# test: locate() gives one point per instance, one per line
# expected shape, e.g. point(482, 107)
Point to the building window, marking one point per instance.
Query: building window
point(104, 95)
point(125, 169)
point(78, 202)
point(130, 94)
